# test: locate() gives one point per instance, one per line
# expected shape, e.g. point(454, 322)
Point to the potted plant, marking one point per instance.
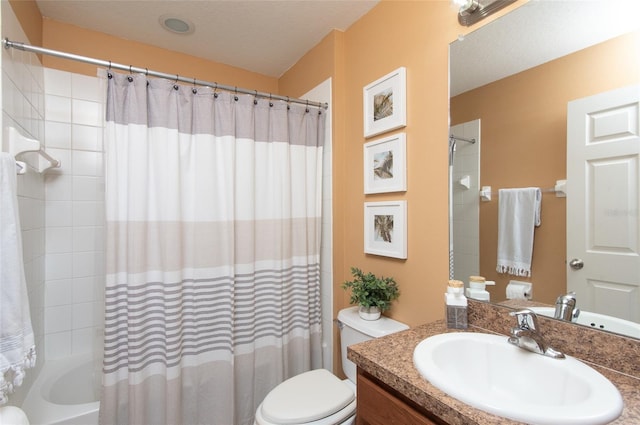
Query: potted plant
point(373, 294)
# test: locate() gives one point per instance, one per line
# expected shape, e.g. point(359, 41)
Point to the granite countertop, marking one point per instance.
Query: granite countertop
point(390, 359)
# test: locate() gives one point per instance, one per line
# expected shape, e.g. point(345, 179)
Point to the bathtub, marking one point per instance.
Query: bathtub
point(66, 392)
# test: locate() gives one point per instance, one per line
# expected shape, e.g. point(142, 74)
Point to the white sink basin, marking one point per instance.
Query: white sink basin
point(597, 321)
point(488, 373)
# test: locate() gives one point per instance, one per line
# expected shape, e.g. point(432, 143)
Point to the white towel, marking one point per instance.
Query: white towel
point(518, 213)
point(17, 348)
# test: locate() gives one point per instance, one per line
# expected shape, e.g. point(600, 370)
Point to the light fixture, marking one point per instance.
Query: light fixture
point(176, 25)
point(472, 11)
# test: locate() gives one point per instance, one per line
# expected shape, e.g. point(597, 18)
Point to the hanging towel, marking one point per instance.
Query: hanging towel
point(518, 214)
point(17, 348)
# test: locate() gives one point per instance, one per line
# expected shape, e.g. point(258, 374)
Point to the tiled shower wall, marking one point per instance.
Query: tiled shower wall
point(23, 109)
point(74, 218)
point(466, 202)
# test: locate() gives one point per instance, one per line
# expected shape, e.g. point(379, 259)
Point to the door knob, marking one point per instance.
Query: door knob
point(576, 264)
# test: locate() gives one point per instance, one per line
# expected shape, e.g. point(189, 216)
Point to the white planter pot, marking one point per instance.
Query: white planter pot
point(369, 313)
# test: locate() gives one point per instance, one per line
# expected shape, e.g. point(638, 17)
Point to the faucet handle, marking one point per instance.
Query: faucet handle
point(526, 319)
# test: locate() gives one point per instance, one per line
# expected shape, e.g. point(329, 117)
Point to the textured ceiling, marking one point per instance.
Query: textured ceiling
point(264, 36)
point(269, 36)
point(535, 33)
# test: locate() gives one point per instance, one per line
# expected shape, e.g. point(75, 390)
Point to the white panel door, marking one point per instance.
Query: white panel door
point(603, 200)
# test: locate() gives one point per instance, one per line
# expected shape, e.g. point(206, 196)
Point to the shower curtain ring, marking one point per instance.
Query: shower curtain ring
point(130, 78)
point(194, 90)
point(109, 75)
point(255, 97)
point(270, 100)
point(307, 109)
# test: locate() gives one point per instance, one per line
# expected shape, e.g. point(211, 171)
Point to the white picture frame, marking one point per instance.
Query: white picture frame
point(385, 164)
point(385, 228)
point(385, 103)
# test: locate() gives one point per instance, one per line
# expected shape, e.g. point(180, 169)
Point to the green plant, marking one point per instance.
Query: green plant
point(368, 290)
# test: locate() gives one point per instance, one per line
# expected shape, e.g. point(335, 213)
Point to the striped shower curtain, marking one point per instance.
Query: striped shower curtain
point(213, 204)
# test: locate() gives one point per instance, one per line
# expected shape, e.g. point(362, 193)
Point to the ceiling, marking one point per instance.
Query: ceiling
point(535, 33)
point(264, 36)
point(269, 36)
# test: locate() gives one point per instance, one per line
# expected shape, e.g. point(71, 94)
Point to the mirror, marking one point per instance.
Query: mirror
point(510, 84)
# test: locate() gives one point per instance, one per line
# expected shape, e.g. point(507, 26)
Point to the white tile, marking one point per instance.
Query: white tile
point(58, 318)
point(57, 135)
point(89, 238)
point(86, 289)
point(86, 137)
point(82, 340)
point(58, 240)
point(83, 315)
point(86, 163)
point(57, 345)
point(59, 213)
point(59, 266)
point(57, 82)
point(86, 88)
point(86, 189)
point(58, 187)
point(88, 213)
point(57, 108)
point(84, 264)
point(87, 113)
point(57, 292)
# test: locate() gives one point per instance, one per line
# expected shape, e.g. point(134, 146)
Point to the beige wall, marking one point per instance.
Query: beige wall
point(524, 144)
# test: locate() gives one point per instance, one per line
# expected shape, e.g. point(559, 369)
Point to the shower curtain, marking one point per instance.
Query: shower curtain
point(213, 204)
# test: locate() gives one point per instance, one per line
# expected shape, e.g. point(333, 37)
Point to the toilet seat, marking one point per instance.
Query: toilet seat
point(316, 397)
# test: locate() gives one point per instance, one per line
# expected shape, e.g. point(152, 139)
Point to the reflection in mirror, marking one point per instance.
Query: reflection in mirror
point(511, 81)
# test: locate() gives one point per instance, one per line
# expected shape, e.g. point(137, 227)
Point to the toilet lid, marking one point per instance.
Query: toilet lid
point(306, 397)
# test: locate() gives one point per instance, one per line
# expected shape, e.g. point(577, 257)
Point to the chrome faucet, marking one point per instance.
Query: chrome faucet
point(526, 335)
point(566, 307)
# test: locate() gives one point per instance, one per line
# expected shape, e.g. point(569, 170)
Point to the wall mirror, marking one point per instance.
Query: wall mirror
point(511, 81)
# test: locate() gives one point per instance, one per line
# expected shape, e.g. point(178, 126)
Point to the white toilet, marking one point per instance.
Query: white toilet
point(318, 397)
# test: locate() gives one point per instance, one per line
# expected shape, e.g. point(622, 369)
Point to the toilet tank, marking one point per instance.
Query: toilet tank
point(353, 330)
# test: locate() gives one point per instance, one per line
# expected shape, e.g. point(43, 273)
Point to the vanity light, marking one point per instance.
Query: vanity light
point(472, 11)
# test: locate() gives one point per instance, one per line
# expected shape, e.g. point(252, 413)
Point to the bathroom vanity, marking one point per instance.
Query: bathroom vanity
point(390, 389)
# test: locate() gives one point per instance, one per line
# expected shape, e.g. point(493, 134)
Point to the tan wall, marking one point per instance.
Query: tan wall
point(30, 19)
point(523, 131)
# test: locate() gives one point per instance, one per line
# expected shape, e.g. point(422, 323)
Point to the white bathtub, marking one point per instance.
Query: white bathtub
point(67, 392)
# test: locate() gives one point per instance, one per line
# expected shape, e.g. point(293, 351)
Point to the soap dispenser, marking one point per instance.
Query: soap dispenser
point(456, 305)
point(476, 289)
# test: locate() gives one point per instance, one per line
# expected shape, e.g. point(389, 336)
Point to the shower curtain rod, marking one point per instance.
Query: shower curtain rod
point(462, 139)
point(108, 64)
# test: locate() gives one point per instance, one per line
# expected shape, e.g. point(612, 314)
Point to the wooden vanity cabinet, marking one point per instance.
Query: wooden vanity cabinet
point(378, 404)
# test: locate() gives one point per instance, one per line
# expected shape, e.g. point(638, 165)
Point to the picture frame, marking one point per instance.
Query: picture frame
point(385, 103)
point(385, 165)
point(385, 228)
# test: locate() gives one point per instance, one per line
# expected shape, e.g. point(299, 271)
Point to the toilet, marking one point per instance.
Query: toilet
point(318, 397)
